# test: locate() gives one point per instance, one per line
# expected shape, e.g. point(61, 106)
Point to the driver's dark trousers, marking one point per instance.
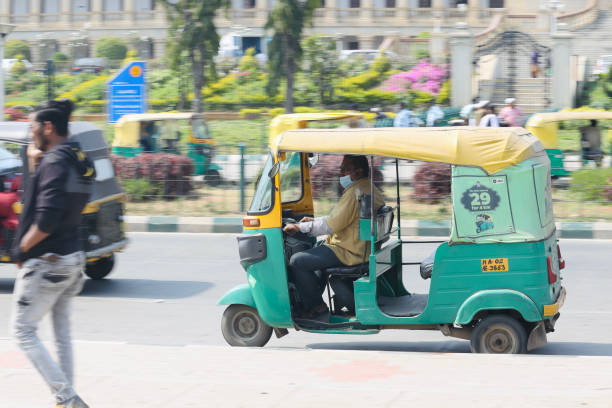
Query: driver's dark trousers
point(309, 285)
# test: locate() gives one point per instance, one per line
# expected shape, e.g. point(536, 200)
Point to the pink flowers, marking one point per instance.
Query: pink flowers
point(425, 77)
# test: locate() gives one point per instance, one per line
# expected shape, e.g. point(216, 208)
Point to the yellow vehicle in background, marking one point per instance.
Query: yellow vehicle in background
point(545, 126)
point(292, 121)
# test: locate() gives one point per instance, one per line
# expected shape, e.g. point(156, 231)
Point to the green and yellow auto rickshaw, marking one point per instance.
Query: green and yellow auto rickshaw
point(499, 287)
point(545, 126)
point(162, 133)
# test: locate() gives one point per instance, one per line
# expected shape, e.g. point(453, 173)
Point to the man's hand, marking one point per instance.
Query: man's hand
point(291, 229)
point(34, 154)
point(31, 238)
point(307, 219)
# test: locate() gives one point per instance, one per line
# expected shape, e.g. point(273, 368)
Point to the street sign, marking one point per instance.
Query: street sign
point(127, 91)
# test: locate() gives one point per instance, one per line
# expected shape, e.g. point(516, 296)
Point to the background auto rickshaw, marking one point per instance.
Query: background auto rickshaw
point(102, 231)
point(292, 121)
point(163, 133)
point(545, 126)
point(499, 288)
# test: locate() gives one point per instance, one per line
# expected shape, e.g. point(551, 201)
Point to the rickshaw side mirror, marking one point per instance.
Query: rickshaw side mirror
point(313, 159)
point(274, 170)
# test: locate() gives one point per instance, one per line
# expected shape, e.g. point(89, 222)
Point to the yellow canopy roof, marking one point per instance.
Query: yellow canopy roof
point(492, 149)
point(127, 128)
point(299, 120)
point(540, 119)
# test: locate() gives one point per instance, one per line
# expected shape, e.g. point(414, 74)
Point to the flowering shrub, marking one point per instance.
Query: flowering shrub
point(14, 115)
point(168, 174)
point(432, 182)
point(425, 77)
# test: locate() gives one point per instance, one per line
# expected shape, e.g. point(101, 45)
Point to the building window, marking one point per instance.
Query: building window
point(249, 4)
point(144, 5)
point(50, 7)
point(389, 3)
point(496, 3)
point(458, 2)
point(353, 45)
point(81, 6)
point(113, 6)
point(424, 3)
point(19, 7)
point(355, 3)
point(322, 4)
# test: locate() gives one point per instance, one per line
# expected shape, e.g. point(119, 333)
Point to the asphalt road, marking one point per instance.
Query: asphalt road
point(165, 287)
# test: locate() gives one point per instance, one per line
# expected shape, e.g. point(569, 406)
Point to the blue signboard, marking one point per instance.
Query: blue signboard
point(127, 91)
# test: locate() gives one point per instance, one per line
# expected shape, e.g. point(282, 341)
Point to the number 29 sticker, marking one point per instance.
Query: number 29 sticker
point(494, 265)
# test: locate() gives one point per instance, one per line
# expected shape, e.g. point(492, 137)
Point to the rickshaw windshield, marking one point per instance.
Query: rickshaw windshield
point(262, 200)
point(200, 129)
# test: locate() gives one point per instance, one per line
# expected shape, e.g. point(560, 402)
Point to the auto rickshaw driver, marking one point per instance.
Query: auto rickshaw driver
point(342, 246)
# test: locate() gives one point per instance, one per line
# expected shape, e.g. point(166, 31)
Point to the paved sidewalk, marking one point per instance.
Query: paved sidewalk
point(586, 230)
point(113, 375)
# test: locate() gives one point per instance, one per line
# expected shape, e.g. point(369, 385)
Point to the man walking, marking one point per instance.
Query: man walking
point(48, 248)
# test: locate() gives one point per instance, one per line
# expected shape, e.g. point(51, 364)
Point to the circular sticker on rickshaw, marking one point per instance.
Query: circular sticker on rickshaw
point(136, 71)
point(480, 198)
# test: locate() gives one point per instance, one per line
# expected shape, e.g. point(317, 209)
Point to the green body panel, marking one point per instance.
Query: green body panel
point(267, 280)
point(200, 161)
point(556, 162)
point(238, 295)
point(457, 275)
point(127, 151)
point(497, 299)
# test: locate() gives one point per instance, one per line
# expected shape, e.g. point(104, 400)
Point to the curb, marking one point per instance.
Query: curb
point(233, 225)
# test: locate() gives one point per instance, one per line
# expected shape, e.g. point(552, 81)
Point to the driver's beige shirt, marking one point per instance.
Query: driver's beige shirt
point(344, 222)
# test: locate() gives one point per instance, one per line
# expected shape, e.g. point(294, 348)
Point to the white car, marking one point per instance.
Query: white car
point(368, 55)
point(602, 66)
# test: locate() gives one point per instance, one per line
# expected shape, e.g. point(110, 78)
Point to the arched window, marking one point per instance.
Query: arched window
point(81, 6)
point(50, 7)
point(113, 6)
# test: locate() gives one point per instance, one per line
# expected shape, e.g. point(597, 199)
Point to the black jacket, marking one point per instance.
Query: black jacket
point(54, 198)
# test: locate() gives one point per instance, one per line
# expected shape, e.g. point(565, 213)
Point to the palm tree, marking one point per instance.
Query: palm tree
point(287, 19)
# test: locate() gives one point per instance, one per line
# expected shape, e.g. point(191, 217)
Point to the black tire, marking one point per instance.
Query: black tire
point(212, 178)
point(499, 334)
point(242, 327)
point(101, 268)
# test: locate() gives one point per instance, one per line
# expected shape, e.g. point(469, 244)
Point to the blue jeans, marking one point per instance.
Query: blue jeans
point(303, 265)
point(48, 284)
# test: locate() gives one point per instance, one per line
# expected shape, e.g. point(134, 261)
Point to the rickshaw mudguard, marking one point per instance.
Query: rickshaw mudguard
point(238, 295)
point(497, 299)
point(267, 286)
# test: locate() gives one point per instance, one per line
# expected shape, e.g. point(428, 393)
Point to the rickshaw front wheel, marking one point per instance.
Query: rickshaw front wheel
point(499, 334)
point(242, 327)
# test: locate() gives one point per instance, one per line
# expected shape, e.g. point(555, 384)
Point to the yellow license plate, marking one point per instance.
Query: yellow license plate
point(494, 265)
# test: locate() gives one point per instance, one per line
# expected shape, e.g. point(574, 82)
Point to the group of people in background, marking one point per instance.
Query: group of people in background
point(483, 114)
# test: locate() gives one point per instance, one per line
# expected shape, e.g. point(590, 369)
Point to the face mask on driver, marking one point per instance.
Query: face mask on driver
point(345, 181)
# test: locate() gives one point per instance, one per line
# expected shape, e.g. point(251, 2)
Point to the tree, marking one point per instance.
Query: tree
point(287, 19)
point(17, 47)
point(321, 61)
point(111, 49)
point(193, 35)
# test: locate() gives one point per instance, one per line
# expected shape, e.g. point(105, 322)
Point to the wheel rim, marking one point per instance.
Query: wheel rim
point(246, 324)
point(500, 340)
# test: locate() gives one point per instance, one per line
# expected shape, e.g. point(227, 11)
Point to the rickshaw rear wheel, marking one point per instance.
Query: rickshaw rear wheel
point(212, 177)
point(499, 334)
point(242, 327)
point(101, 268)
